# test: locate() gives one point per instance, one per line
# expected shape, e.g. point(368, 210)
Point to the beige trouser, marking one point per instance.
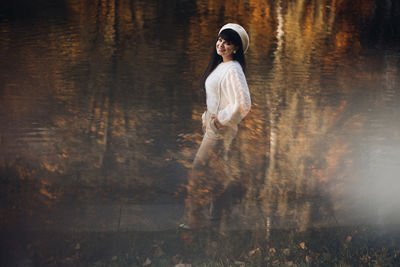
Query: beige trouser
point(210, 175)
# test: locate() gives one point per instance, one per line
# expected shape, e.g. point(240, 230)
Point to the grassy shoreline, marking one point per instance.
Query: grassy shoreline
point(342, 246)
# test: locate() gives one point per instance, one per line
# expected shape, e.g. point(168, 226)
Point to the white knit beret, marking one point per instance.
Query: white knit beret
point(242, 33)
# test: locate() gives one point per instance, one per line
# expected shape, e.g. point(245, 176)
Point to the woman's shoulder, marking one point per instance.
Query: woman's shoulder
point(233, 73)
point(234, 67)
point(233, 64)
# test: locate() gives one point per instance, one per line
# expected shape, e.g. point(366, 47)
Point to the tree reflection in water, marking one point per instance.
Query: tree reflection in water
point(101, 120)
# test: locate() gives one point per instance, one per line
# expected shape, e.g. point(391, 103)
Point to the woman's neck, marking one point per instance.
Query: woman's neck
point(226, 59)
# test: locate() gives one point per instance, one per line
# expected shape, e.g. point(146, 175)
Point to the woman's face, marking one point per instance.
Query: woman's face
point(225, 49)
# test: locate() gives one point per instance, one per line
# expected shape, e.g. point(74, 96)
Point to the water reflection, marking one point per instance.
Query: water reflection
point(100, 114)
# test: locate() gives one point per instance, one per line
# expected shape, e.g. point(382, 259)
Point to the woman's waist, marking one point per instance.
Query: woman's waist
point(208, 115)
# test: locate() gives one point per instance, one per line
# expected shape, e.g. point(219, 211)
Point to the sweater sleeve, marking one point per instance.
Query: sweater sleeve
point(203, 117)
point(235, 87)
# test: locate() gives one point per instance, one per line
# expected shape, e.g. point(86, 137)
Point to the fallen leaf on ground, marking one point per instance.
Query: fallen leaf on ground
point(286, 251)
point(147, 262)
point(308, 258)
point(272, 251)
point(252, 252)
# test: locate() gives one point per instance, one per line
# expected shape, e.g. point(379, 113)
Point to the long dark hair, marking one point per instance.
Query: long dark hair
point(230, 36)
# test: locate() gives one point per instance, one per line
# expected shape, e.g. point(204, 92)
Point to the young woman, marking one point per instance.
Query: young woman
point(228, 102)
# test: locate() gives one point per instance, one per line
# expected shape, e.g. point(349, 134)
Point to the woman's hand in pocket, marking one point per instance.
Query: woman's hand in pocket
point(218, 125)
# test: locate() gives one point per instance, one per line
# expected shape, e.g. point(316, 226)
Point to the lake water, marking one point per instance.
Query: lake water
point(100, 111)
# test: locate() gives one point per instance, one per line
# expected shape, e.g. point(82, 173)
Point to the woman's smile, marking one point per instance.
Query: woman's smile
point(224, 48)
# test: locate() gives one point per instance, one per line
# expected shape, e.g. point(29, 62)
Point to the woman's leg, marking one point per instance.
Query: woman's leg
point(203, 181)
point(208, 178)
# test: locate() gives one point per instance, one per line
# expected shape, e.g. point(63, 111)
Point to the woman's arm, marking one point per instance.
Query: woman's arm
point(237, 92)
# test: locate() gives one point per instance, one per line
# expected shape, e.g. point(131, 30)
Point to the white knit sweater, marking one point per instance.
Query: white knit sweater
point(227, 93)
